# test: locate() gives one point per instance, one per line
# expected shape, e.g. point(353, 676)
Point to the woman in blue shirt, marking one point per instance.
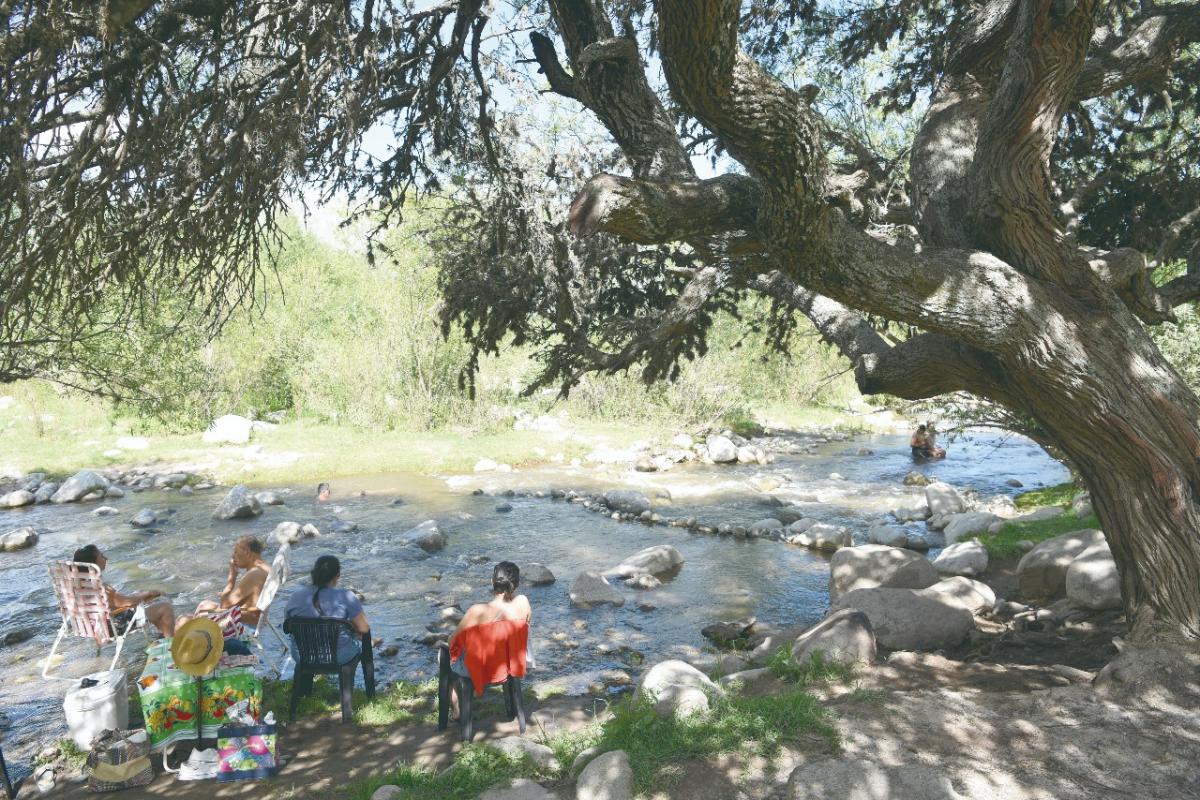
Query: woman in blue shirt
point(323, 598)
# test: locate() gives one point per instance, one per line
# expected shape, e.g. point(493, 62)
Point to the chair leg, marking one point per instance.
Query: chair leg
point(510, 711)
point(518, 704)
point(117, 655)
point(300, 682)
point(466, 716)
point(346, 685)
point(53, 651)
point(443, 688)
point(368, 669)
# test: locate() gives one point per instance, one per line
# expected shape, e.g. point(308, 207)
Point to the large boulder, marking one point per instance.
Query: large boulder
point(911, 619)
point(606, 777)
point(1042, 572)
point(541, 755)
point(238, 504)
point(975, 595)
point(971, 523)
point(721, 450)
point(45, 492)
point(1093, 580)
point(591, 589)
point(427, 536)
point(660, 559)
point(677, 688)
point(962, 558)
point(872, 565)
point(78, 486)
point(536, 574)
point(286, 532)
point(844, 637)
point(17, 499)
point(944, 499)
point(917, 510)
point(821, 536)
point(19, 539)
point(888, 535)
point(229, 429)
point(856, 779)
point(627, 501)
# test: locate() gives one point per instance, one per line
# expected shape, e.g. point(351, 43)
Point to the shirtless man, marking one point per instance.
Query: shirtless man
point(247, 555)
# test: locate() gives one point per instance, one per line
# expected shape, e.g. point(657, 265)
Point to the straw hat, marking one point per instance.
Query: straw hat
point(197, 645)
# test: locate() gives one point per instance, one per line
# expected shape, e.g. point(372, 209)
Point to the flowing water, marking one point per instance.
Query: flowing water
point(722, 578)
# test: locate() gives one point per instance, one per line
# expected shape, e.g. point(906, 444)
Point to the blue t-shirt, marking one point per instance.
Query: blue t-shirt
point(336, 603)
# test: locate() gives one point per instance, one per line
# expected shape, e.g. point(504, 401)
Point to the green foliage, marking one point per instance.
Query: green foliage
point(476, 769)
point(1059, 495)
point(398, 703)
point(814, 671)
point(1004, 543)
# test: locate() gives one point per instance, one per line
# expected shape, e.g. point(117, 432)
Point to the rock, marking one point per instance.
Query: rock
point(172, 480)
point(660, 559)
point(591, 589)
point(269, 498)
point(114, 492)
point(133, 442)
point(17, 637)
point(917, 510)
point(1082, 505)
point(1039, 514)
point(836, 476)
point(874, 565)
point(343, 526)
point(485, 465)
point(78, 486)
point(229, 429)
point(18, 539)
point(645, 464)
point(864, 451)
point(914, 478)
point(1013, 482)
point(844, 637)
point(519, 789)
point(93, 496)
point(17, 499)
point(33, 481)
point(962, 558)
point(143, 519)
point(765, 483)
point(971, 523)
point(766, 525)
point(643, 582)
point(887, 535)
point(627, 501)
point(427, 536)
point(504, 508)
point(975, 595)
point(677, 689)
point(286, 533)
point(725, 634)
point(1042, 572)
point(944, 499)
point(747, 455)
point(584, 758)
point(1093, 580)
point(916, 542)
point(823, 537)
point(542, 756)
point(803, 524)
point(105, 511)
point(45, 492)
point(682, 441)
point(387, 792)
point(607, 777)
point(536, 574)
point(238, 504)
point(721, 450)
point(911, 619)
point(390, 651)
point(857, 779)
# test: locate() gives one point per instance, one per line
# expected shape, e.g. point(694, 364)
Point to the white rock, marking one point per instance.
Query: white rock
point(387, 792)
point(114, 492)
point(802, 525)
point(539, 754)
point(944, 499)
point(485, 465)
point(721, 450)
point(105, 511)
point(229, 429)
point(682, 441)
point(536, 574)
point(239, 503)
point(911, 619)
point(286, 533)
point(143, 519)
point(971, 523)
point(659, 559)
point(823, 537)
point(1093, 580)
point(427, 536)
point(962, 558)
point(887, 535)
point(519, 789)
point(843, 637)
point(744, 678)
point(872, 565)
point(590, 589)
point(1042, 572)
point(606, 777)
point(19, 539)
point(78, 486)
point(917, 510)
point(975, 595)
point(677, 688)
point(17, 499)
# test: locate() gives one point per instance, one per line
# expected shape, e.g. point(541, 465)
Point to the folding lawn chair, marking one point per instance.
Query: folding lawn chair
point(83, 604)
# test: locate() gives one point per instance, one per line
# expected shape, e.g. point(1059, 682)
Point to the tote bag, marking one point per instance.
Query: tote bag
point(246, 752)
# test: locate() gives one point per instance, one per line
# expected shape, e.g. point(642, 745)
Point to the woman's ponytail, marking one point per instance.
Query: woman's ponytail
point(324, 572)
point(506, 577)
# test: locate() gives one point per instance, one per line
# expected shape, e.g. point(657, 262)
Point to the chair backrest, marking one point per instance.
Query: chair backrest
point(82, 600)
point(317, 639)
point(280, 571)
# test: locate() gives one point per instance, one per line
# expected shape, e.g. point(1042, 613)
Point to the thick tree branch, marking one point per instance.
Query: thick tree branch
point(1143, 55)
point(561, 81)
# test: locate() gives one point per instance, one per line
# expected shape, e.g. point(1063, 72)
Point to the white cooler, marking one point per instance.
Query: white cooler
point(98, 708)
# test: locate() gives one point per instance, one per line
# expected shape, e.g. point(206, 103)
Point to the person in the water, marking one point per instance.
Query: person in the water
point(323, 493)
point(924, 443)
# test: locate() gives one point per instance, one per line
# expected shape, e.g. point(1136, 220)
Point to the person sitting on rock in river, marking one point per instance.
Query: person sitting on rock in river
point(931, 442)
point(247, 555)
point(920, 442)
point(323, 598)
point(122, 606)
point(506, 604)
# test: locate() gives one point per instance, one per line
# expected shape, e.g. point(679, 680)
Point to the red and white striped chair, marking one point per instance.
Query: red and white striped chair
point(83, 604)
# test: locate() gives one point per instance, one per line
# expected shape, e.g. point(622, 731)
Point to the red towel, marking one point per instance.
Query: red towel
point(494, 651)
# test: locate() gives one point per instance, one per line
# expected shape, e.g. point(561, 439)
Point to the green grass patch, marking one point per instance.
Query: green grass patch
point(1060, 495)
point(477, 769)
point(1004, 543)
point(398, 703)
point(814, 671)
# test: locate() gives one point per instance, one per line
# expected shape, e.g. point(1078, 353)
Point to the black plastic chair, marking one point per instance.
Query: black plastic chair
point(316, 641)
point(466, 697)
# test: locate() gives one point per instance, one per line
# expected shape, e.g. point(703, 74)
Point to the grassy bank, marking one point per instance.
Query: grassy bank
point(1006, 543)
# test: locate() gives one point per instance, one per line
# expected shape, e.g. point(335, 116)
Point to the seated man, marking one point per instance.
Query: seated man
point(122, 606)
point(920, 442)
point(247, 555)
